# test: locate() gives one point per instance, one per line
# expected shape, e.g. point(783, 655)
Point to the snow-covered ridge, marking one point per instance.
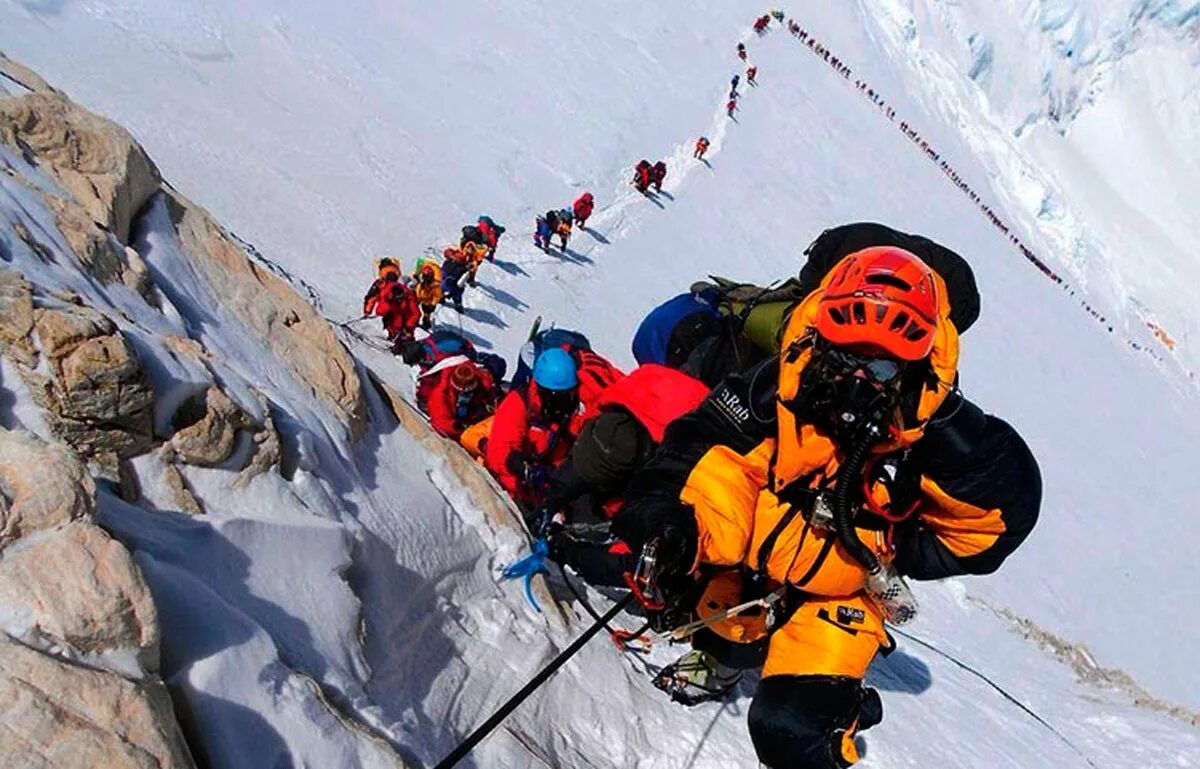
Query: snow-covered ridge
point(1084, 113)
point(267, 591)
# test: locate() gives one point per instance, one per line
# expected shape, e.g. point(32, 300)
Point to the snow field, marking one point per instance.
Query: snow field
point(327, 138)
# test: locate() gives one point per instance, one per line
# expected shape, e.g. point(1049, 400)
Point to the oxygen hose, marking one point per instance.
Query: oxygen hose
point(843, 515)
point(883, 585)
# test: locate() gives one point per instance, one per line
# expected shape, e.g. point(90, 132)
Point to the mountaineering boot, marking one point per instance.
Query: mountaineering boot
point(870, 712)
point(697, 677)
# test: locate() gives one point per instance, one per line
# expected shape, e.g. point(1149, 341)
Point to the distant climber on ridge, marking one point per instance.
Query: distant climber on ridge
point(455, 268)
point(658, 174)
point(394, 302)
point(427, 285)
point(701, 148)
point(563, 227)
point(641, 176)
point(582, 209)
point(542, 233)
point(491, 234)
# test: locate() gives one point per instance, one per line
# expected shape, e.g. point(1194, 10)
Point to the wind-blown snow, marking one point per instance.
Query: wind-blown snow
point(326, 137)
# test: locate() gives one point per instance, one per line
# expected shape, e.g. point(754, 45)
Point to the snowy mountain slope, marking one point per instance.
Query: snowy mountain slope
point(444, 644)
point(1085, 114)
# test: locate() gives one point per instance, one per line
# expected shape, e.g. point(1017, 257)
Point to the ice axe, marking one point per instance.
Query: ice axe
point(529, 567)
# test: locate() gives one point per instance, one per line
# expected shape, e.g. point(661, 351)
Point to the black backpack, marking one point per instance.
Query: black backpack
point(472, 234)
point(833, 244)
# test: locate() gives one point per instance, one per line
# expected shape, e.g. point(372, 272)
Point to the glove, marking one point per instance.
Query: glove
point(546, 521)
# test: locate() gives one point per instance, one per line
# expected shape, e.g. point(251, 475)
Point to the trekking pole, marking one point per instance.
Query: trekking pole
point(486, 727)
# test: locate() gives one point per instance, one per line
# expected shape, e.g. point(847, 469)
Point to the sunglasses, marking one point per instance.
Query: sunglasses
point(843, 363)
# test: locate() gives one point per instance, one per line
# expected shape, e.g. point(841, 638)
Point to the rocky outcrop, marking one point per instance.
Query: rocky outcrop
point(42, 486)
point(206, 428)
point(70, 593)
point(16, 318)
point(19, 73)
point(99, 396)
point(93, 159)
point(80, 588)
point(269, 306)
point(93, 386)
point(61, 715)
point(101, 253)
point(267, 449)
point(182, 496)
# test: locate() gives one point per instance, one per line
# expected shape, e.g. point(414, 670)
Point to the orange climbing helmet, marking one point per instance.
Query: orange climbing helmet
point(881, 300)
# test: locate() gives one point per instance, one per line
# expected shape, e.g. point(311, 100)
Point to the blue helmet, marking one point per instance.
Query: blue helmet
point(555, 369)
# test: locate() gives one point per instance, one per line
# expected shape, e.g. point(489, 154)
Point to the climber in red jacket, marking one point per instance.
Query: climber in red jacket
point(582, 209)
point(458, 397)
point(394, 302)
point(630, 418)
point(536, 425)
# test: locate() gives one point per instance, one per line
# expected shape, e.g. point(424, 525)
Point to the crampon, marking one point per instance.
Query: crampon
point(697, 677)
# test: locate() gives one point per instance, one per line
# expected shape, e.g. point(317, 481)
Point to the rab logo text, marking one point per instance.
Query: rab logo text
point(848, 615)
point(731, 406)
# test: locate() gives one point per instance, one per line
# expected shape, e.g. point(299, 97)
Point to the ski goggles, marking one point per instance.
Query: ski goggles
point(842, 363)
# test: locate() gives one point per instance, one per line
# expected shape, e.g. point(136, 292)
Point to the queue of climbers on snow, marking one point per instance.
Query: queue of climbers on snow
point(800, 450)
point(407, 302)
point(765, 480)
point(561, 222)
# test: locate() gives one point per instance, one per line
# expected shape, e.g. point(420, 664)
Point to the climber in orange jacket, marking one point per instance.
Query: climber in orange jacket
point(474, 253)
point(817, 481)
point(427, 286)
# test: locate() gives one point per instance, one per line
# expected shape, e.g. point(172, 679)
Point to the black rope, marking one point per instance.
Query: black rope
point(1003, 693)
point(587, 606)
point(486, 727)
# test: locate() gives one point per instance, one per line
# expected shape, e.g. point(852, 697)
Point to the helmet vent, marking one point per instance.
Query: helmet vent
point(838, 316)
point(900, 321)
point(859, 312)
point(914, 333)
point(888, 279)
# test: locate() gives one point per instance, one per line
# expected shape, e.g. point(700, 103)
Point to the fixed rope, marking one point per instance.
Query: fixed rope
point(999, 689)
point(486, 728)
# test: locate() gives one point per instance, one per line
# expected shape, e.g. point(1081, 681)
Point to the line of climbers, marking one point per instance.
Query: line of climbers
point(805, 448)
point(560, 222)
point(405, 303)
point(646, 176)
point(766, 478)
point(960, 183)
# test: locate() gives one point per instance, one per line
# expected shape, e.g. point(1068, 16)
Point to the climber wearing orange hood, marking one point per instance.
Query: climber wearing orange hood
point(427, 286)
point(816, 482)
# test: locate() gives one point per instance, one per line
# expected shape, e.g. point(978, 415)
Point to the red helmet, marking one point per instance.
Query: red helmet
point(881, 299)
